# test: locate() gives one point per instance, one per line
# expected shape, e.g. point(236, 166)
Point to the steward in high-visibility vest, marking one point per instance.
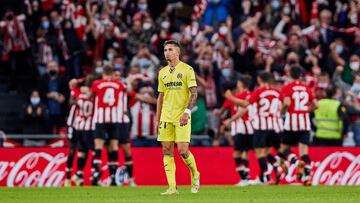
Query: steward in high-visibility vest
point(330, 120)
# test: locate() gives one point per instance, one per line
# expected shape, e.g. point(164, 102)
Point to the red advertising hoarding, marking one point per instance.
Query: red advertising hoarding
point(46, 167)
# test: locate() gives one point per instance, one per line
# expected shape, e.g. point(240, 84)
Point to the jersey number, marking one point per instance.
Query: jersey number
point(86, 108)
point(301, 99)
point(267, 107)
point(109, 97)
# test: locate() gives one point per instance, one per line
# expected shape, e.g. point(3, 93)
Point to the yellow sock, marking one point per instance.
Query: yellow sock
point(190, 162)
point(170, 168)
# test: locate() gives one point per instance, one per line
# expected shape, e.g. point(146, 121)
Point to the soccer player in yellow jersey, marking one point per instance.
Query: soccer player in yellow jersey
point(177, 96)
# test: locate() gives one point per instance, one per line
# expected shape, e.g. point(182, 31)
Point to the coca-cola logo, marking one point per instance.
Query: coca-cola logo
point(34, 169)
point(339, 168)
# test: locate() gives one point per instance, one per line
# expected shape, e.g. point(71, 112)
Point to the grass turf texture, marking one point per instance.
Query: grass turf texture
point(288, 194)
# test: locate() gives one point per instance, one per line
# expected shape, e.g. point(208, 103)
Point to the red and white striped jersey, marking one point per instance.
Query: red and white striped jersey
point(297, 116)
point(84, 119)
point(266, 104)
point(110, 101)
point(74, 92)
point(243, 124)
point(143, 118)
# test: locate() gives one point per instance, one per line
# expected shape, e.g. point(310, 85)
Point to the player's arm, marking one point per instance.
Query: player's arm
point(159, 104)
point(314, 105)
point(193, 97)
point(240, 102)
point(146, 99)
point(241, 112)
point(286, 104)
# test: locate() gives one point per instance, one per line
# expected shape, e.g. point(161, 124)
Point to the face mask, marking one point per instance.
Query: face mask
point(223, 30)
point(355, 65)
point(142, 6)
point(323, 85)
point(226, 72)
point(275, 5)
point(45, 25)
point(52, 73)
point(118, 66)
point(110, 56)
point(146, 26)
point(99, 70)
point(144, 63)
point(339, 49)
point(165, 25)
point(355, 87)
point(292, 62)
point(287, 10)
point(35, 101)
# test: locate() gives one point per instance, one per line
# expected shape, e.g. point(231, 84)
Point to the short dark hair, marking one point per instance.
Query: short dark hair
point(173, 42)
point(296, 72)
point(246, 80)
point(107, 70)
point(89, 80)
point(266, 76)
point(331, 91)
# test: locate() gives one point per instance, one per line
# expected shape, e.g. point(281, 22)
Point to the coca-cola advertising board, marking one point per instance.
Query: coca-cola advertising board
point(45, 167)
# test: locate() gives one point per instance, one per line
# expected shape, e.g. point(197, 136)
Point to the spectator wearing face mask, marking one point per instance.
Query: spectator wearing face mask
point(147, 61)
point(344, 75)
point(35, 116)
point(53, 91)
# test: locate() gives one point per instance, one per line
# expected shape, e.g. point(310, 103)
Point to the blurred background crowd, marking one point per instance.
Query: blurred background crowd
point(46, 43)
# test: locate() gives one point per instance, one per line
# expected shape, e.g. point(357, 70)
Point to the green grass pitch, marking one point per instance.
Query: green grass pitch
point(276, 194)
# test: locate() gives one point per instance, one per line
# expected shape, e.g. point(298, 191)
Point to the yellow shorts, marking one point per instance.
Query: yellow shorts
point(173, 132)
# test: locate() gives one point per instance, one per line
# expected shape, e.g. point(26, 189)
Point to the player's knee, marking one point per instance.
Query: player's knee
point(184, 153)
point(167, 150)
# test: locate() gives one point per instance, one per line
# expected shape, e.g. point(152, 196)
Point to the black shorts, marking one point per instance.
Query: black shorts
point(107, 131)
point(124, 136)
point(293, 138)
point(85, 141)
point(72, 136)
point(266, 138)
point(242, 142)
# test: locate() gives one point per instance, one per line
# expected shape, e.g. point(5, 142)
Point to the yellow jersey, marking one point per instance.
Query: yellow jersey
point(175, 86)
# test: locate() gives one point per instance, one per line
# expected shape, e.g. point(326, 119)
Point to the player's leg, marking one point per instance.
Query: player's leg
point(113, 158)
point(182, 139)
point(126, 148)
point(274, 160)
point(241, 158)
point(167, 139)
point(289, 140)
point(70, 159)
point(99, 141)
point(259, 144)
point(82, 156)
point(304, 154)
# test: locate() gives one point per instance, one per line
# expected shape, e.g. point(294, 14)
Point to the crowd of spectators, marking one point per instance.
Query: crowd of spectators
point(221, 39)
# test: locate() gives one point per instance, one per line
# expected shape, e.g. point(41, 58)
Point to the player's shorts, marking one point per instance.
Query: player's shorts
point(173, 132)
point(242, 142)
point(124, 136)
point(266, 138)
point(108, 131)
point(293, 138)
point(85, 141)
point(72, 136)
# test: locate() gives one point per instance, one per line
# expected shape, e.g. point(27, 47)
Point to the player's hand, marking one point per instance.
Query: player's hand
point(227, 123)
point(184, 119)
point(228, 94)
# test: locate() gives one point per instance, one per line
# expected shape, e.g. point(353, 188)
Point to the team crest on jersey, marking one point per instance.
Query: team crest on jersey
point(179, 75)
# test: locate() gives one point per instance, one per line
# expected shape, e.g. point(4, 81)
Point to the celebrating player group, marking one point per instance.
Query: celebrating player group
point(271, 117)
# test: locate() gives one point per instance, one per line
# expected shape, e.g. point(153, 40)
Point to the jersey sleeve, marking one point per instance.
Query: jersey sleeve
point(254, 97)
point(284, 92)
point(161, 86)
point(191, 78)
point(227, 104)
point(94, 86)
